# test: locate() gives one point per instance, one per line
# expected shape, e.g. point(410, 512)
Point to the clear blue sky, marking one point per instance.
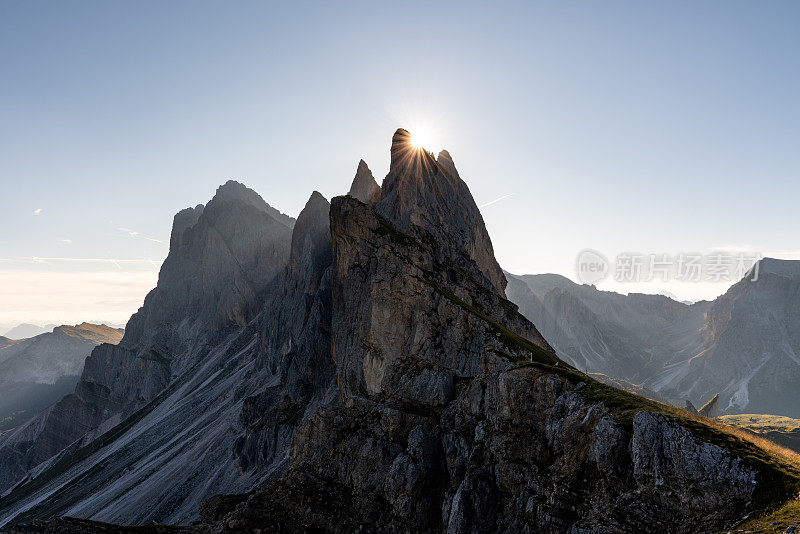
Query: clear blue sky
point(619, 126)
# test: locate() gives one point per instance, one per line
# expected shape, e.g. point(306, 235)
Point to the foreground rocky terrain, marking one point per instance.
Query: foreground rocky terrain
point(360, 369)
point(743, 346)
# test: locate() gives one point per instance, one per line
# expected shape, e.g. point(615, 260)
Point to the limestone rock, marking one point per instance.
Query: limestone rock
point(711, 408)
point(397, 301)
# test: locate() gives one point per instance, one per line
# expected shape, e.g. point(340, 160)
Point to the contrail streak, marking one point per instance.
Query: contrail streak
point(496, 200)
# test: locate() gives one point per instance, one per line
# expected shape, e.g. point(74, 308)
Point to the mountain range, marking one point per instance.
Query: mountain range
point(27, 330)
point(361, 369)
point(744, 346)
point(36, 372)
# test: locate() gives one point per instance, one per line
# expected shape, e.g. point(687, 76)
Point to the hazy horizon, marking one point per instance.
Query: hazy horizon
point(622, 127)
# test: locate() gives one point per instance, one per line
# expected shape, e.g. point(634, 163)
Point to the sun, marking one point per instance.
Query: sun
point(420, 138)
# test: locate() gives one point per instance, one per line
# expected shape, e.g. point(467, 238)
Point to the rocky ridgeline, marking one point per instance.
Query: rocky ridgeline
point(386, 384)
point(743, 346)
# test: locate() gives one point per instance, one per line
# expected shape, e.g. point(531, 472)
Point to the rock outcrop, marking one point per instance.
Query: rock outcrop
point(711, 408)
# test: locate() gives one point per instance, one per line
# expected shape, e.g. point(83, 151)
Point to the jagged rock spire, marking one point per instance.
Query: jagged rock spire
point(311, 234)
point(364, 187)
point(405, 157)
point(401, 144)
point(427, 197)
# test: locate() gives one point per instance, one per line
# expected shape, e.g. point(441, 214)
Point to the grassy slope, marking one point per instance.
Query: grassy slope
point(777, 521)
point(763, 422)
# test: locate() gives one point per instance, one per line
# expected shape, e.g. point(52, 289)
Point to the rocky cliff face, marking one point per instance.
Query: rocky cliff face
point(405, 328)
point(386, 384)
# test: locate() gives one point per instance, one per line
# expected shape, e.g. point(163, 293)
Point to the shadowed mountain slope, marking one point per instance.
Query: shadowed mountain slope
point(36, 372)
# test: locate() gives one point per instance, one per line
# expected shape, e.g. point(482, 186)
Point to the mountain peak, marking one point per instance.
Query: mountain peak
point(405, 156)
point(417, 197)
point(364, 187)
point(400, 139)
point(311, 231)
point(233, 191)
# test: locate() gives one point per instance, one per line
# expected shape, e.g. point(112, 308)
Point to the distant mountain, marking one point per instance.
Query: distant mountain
point(112, 324)
point(623, 336)
point(744, 346)
point(26, 330)
point(750, 352)
point(47, 357)
point(36, 372)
